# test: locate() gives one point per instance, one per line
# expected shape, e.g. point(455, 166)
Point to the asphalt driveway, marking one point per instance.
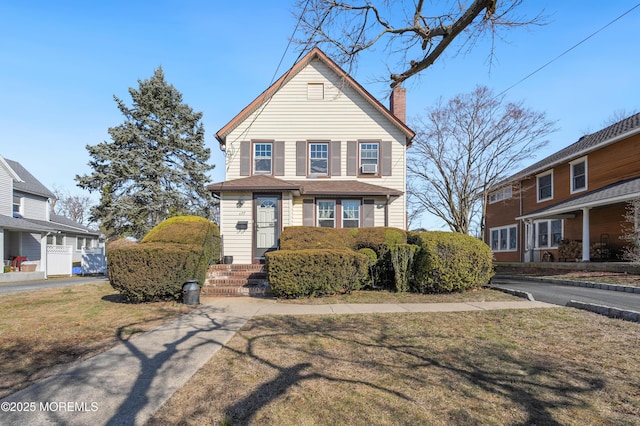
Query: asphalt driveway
point(561, 294)
point(15, 287)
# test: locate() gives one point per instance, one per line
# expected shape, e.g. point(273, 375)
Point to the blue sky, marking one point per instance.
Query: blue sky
point(61, 63)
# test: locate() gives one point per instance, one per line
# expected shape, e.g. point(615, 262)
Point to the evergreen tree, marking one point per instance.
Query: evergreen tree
point(155, 165)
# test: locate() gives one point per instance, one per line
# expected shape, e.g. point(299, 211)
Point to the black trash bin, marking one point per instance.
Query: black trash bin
point(191, 293)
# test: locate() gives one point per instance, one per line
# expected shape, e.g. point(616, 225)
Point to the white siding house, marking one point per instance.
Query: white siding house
point(314, 149)
point(34, 242)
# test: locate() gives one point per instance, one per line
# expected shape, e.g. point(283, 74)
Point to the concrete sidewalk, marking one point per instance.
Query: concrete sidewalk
point(127, 384)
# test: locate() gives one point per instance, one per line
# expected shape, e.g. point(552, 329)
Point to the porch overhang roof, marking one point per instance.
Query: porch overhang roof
point(616, 193)
point(262, 183)
point(19, 224)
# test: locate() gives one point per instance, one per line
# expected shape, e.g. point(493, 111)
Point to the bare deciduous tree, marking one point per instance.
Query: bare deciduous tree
point(464, 147)
point(72, 206)
point(415, 34)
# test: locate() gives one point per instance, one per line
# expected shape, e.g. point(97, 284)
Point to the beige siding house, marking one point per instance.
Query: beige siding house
point(314, 149)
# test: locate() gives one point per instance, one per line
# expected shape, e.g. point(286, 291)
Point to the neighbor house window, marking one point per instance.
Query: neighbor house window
point(499, 195)
point(350, 214)
point(578, 175)
point(17, 204)
point(548, 233)
point(327, 214)
point(55, 240)
point(504, 239)
point(319, 159)
point(545, 186)
point(262, 155)
point(80, 243)
point(369, 158)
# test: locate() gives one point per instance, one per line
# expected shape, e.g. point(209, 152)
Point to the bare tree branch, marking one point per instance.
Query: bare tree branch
point(352, 27)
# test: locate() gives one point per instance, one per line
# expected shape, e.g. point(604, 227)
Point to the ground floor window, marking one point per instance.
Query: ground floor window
point(548, 233)
point(55, 240)
point(505, 238)
point(350, 214)
point(327, 214)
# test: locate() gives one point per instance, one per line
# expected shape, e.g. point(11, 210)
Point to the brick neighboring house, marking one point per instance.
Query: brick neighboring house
point(314, 149)
point(34, 242)
point(546, 211)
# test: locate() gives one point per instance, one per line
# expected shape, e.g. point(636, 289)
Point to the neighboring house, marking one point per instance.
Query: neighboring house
point(578, 194)
point(31, 238)
point(314, 149)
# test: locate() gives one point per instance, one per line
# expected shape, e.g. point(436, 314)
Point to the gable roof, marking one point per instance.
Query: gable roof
point(315, 53)
point(27, 183)
point(588, 143)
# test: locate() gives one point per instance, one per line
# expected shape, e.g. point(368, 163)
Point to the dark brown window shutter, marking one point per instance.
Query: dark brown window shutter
point(385, 154)
point(301, 158)
point(352, 158)
point(245, 158)
point(307, 212)
point(278, 155)
point(368, 213)
point(336, 156)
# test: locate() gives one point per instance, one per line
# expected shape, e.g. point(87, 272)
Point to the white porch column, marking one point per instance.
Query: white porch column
point(586, 239)
point(1, 250)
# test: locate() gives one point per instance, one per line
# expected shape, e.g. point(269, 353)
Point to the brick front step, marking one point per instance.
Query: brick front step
point(236, 280)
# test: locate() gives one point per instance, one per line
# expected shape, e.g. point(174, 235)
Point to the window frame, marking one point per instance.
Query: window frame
point(540, 176)
point(326, 159)
point(256, 158)
point(345, 211)
point(549, 233)
point(505, 193)
point(510, 236)
point(572, 164)
point(318, 213)
point(369, 160)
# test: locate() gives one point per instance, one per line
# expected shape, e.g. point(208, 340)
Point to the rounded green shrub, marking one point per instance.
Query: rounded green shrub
point(178, 249)
point(305, 273)
point(448, 262)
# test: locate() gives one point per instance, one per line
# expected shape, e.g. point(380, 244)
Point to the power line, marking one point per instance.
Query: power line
point(568, 50)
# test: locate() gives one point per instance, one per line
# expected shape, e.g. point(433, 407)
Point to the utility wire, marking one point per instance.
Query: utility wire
point(568, 50)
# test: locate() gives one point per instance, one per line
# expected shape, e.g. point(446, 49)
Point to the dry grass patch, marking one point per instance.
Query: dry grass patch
point(551, 366)
point(478, 295)
point(42, 331)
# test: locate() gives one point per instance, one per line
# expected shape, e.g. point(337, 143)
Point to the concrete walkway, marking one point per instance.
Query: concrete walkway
point(127, 384)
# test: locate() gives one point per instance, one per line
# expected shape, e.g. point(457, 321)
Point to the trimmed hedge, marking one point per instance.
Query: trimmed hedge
point(176, 250)
point(448, 262)
point(304, 273)
point(311, 237)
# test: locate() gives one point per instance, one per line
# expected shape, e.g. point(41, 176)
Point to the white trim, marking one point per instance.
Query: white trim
point(335, 213)
point(501, 194)
point(508, 228)
point(536, 234)
point(573, 190)
point(541, 175)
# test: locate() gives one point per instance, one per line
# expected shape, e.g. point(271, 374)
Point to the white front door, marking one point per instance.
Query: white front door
point(267, 230)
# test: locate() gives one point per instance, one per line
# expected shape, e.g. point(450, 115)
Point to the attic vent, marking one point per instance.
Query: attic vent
point(315, 91)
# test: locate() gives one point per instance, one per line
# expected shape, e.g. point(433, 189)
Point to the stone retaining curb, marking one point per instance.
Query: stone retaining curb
point(606, 310)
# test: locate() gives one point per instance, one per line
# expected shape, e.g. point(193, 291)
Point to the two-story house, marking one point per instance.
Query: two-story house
point(314, 149)
point(578, 194)
point(34, 242)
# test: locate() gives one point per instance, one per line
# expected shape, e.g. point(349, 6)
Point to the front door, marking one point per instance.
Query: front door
point(267, 230)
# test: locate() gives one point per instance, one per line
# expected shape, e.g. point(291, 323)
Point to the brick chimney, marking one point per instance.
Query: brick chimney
point(398, 103)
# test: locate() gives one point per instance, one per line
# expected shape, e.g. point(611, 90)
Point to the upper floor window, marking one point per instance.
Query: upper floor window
point(545, 186)
point(315, 91)
point(501, 194)
point(578, 175)
point(319, 159)
point(350, 213)
point(17, 205)
point(262, 158)
point(327, 213)
point(504, 239)
point(369, 158)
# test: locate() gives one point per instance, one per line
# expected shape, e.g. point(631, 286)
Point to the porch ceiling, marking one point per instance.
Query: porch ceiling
point(613, 194)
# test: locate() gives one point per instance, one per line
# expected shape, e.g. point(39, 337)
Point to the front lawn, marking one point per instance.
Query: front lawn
point(517, 367)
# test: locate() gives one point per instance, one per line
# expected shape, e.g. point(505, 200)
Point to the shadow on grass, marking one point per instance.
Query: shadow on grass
point(534, 383)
